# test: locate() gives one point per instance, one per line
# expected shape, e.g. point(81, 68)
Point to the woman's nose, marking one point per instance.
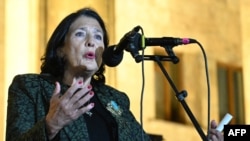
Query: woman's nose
point(90, 44)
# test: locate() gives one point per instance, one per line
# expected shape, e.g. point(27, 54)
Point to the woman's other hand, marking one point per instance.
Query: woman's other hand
point(215, 135)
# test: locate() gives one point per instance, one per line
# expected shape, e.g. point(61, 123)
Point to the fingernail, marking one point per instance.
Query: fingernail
point(91, 92)
point(89, 87)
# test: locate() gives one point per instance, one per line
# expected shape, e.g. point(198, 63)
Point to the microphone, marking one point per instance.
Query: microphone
point(112, 56)
point(168, 41)
point(133, 42)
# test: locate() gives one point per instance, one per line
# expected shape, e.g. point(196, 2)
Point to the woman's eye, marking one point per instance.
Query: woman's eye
point(99, 37)
point(79, 34)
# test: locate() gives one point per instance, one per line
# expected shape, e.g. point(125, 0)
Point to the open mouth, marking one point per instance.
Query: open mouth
point(90, 55)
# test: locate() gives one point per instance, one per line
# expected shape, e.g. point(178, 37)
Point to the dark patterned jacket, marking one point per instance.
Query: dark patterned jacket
point(28, 104)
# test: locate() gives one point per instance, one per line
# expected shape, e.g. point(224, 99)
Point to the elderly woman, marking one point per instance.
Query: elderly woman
point(69, 99)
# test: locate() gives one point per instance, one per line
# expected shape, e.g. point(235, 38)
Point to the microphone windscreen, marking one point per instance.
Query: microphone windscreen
point(110, 58)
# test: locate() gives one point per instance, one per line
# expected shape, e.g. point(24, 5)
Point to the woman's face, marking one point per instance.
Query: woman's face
point(83, 46)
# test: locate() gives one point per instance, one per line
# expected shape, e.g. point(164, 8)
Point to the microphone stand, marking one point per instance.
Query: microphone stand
point(179, 95)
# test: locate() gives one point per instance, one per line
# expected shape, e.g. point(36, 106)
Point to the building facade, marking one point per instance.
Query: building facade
point(220, 27)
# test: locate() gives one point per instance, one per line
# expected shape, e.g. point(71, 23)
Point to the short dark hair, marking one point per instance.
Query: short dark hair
point(53, 64)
